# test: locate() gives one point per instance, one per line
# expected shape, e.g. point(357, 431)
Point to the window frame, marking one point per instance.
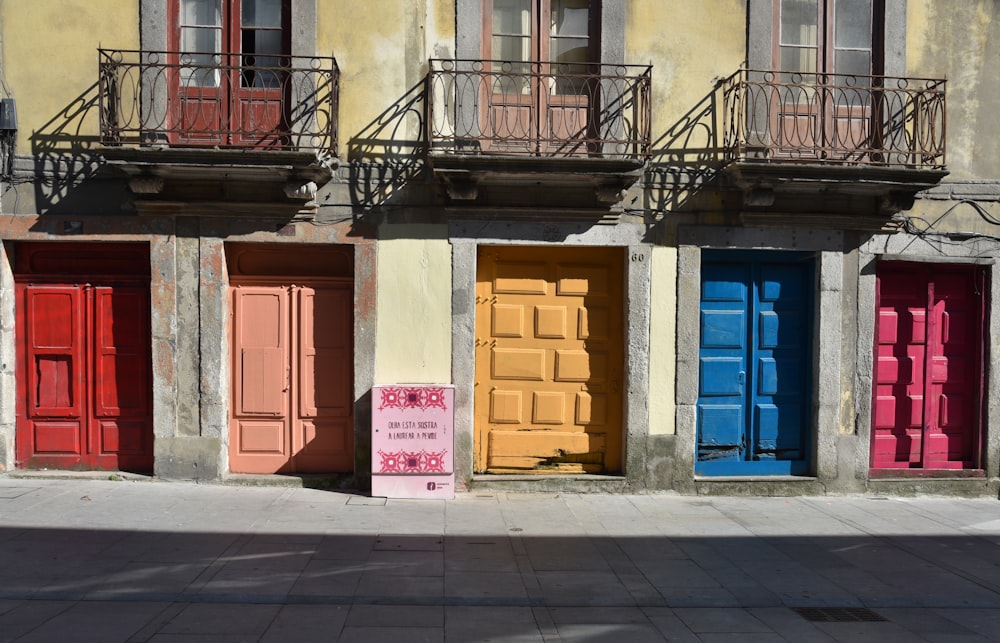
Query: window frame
point(541, 45)
point(825, 46)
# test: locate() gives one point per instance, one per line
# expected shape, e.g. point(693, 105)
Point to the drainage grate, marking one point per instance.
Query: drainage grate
point(838, 614)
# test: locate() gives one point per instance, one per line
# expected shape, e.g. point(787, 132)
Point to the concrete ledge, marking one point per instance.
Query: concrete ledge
point(55, 474)
point(567, 483)
point(339, 482)
point(759, 486)
point(957, 487)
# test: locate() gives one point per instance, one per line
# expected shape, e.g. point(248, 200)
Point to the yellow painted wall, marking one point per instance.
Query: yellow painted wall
point(959, 40)
point(690, 44)
point(382, 52)
point(662, 341)
point(414, 305)
point(55, 46)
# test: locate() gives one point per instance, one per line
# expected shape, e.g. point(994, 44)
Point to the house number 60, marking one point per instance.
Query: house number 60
point(638, 256)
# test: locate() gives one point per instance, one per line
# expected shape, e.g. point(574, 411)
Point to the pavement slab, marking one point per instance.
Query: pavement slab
point(140, 560)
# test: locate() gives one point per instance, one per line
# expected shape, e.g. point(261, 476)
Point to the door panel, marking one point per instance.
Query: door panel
point(928, 368)
point(122, 389)
point(549, 360)
point(324, 430)
point(88, 392)
point(261, 318)
point(753, 367)
point(293, 379)
point(722, 364)
point(122, 371)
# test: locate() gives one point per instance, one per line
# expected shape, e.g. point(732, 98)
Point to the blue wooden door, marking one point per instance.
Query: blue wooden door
point(753, 391)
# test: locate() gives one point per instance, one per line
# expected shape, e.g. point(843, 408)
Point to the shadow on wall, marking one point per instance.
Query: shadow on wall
point(687, 158)
point(388, 153)
point(67, 164)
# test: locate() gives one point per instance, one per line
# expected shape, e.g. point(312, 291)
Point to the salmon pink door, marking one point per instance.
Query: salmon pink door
point(84, 369)
point(927, 410)
point(292, 378)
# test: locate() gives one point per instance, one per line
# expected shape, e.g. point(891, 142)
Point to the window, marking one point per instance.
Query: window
point(549, 31)
point(229, 69)
point(543, 81)
point(826, 37)
point(827, 53)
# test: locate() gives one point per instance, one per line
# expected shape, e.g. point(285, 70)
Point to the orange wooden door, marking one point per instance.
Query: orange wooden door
point(292, 379)
point(549, 360)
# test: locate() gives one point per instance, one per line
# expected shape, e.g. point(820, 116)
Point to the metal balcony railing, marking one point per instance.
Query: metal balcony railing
point(218, 100)
point(538, 109)
point(775, 116)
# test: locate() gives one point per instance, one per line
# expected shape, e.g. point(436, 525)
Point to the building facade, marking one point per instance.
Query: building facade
point(739, 246)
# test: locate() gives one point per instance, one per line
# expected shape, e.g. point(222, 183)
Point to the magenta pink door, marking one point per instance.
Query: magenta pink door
point(928, 379)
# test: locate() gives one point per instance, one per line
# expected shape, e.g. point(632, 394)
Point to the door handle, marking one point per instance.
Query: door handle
point(741, 377)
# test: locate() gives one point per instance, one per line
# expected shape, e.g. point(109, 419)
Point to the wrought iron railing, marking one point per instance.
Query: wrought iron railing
point(541, 109)
point(774, 116)
point(220, 100)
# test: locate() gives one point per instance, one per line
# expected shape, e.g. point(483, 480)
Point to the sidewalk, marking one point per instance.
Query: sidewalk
point(86, 560)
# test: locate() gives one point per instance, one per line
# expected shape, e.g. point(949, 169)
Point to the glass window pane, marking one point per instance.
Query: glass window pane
point(853, 24)
point(512, 17)
point(511, 48)
point(201, 12)
point(262, 13)
point(798, 59)
point(570, 50)
point(852, 63)
point(570, 18)
point(267, 42)
point(199, 70)
point(195, 39)
point(799, 22)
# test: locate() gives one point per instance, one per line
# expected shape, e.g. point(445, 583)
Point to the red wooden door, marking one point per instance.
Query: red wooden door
point(85, 373)
point(292, 378)
point(928, 367)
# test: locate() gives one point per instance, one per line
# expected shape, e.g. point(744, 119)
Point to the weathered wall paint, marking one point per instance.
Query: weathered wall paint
point(382, 53)
point(663, 341)
point(56, 74)
point(960, 41)
point(682, 41)
point(414, 305)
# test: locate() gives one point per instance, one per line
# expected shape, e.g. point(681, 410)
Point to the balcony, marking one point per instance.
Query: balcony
point(554, 128)
point(196, 117)
point(854, 149)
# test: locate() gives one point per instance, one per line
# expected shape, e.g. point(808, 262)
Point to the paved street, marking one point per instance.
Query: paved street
point(106, 560)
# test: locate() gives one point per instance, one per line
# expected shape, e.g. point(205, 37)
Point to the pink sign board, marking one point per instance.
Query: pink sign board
point(413, 441)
